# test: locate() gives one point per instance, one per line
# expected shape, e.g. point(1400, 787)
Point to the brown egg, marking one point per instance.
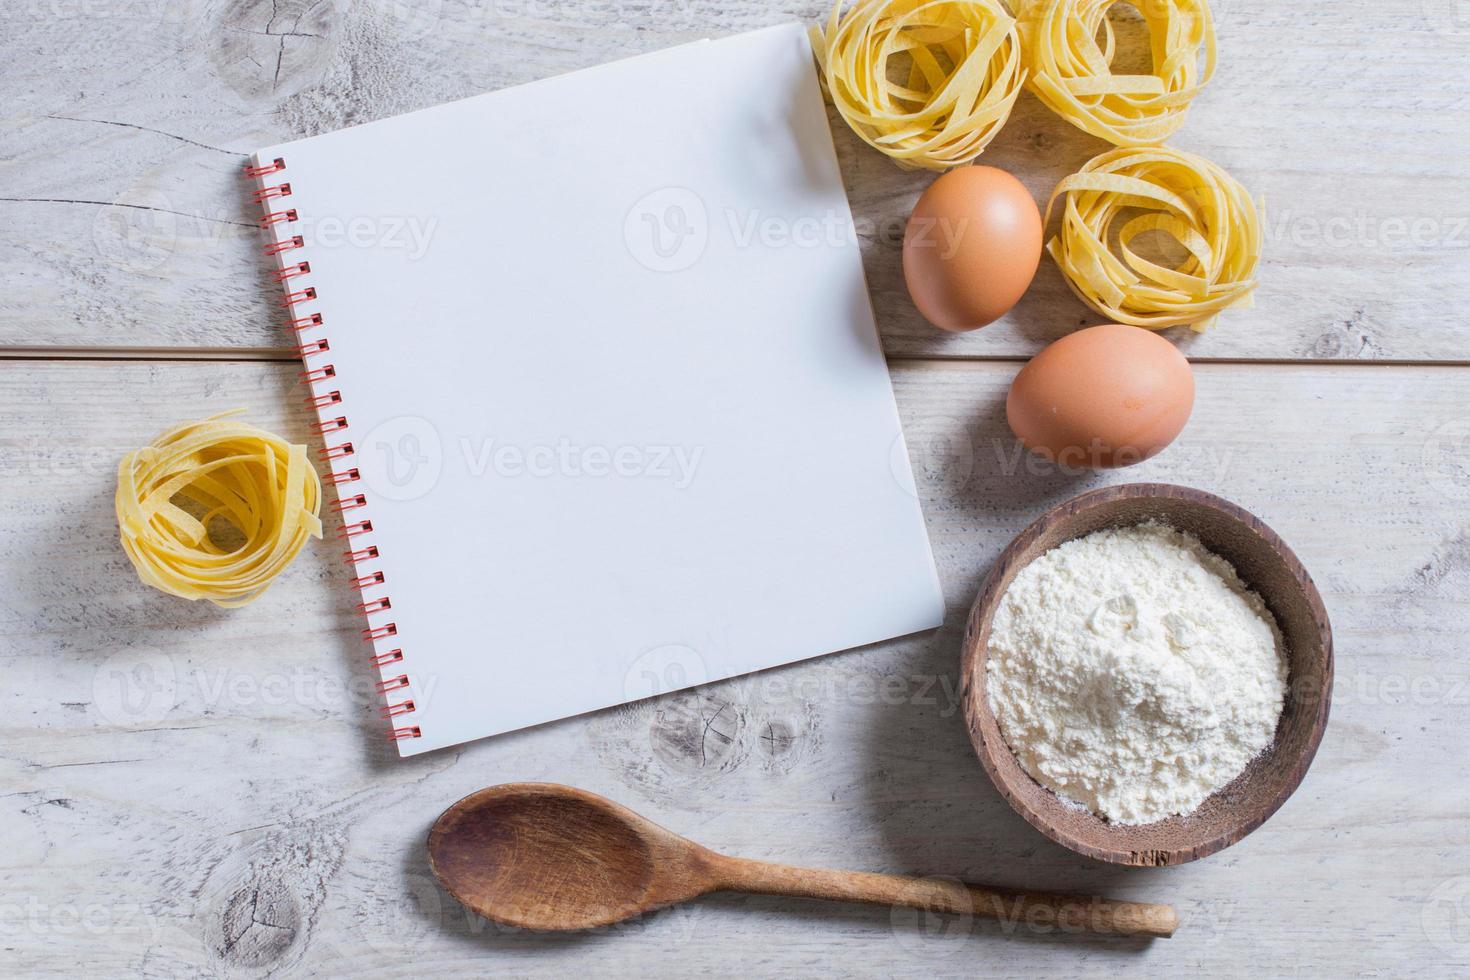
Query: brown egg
point(1102, 397)
point(971, 247)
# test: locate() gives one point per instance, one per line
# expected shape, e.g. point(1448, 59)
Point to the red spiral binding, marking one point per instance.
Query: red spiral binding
point(368, 581)
point(293, 271)
point(289, 274)
point(271, 193)
point(270, 168)
point(393, 683)
point(350, 503)
point(362, 554)
point(286, 244)
point(402, 708)
point(299, 297)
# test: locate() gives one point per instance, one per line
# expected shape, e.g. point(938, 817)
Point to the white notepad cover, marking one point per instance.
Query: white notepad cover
point(613, 385)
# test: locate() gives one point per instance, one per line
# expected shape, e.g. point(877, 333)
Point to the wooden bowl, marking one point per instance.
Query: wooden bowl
point(1266, 565)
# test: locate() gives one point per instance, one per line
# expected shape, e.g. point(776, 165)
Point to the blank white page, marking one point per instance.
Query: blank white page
point(612, 383)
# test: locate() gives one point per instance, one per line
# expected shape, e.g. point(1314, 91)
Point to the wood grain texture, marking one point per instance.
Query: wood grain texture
point(1268, 567)
point(189, 790)
point(123, 224)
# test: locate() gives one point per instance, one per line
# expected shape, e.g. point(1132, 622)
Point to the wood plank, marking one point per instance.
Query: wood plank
point(188, 789)
point(123, 224)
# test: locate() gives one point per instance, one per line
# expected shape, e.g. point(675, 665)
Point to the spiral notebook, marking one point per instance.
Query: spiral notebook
point(599, 385)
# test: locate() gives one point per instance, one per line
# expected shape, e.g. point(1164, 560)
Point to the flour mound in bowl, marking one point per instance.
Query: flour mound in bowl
point(1133, 673)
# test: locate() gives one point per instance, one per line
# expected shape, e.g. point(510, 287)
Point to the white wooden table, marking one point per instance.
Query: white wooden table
point(190, 791)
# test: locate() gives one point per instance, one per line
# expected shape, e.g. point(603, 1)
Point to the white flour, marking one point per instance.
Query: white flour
point(1133, 673)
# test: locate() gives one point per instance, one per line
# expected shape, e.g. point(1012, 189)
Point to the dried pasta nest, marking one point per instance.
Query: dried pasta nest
point(1125, 194)
point(190, 479)
point(928, 82)
point(1069, 49)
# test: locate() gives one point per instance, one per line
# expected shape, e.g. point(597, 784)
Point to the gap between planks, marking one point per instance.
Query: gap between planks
point(284, 356)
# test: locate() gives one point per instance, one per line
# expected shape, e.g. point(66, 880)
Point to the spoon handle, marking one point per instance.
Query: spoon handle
point(1016, 910)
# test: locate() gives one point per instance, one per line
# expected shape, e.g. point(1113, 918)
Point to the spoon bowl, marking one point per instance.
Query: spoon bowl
point(542, 856)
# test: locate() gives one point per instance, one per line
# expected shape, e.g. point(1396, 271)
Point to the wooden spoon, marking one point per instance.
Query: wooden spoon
point(544, 856)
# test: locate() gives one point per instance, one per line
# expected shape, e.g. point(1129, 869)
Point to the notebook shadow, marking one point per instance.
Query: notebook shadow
point(975, 480)
point(936, 810)
point(938, 815)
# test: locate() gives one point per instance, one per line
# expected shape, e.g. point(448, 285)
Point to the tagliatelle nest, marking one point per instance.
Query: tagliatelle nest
point(1071, 71)
point(1126, 193)
point(928, 82)
point(262, 486)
